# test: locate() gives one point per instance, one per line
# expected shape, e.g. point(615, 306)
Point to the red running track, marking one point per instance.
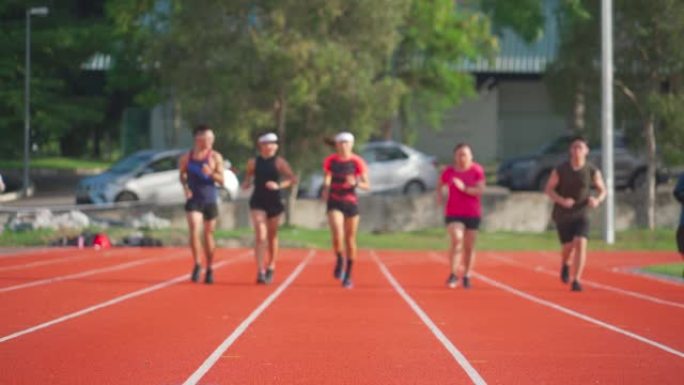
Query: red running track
point(130, 316)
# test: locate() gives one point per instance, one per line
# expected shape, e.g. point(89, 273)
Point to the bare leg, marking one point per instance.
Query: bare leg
point(272, 235)
point(350, 227)
point(580, 256)
point(566, 252)
point(259, 223)
point(469, 251)
point(336, 223)
point(194, 226)
point(455, 231)
point(209, 243)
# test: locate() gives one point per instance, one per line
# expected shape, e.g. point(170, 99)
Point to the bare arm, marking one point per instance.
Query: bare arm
point(285, 170)
point(183, 174)
point(363, 182)
point(439, 191)
point(476, 190)
point(600, 188)
point(249, 174)
point(327, 180)
point(217, 169)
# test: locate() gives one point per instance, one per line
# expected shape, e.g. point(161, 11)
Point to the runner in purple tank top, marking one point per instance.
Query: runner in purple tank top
point(201, 169)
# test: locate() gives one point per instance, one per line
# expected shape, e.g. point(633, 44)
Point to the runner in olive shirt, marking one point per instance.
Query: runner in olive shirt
point(569, 188)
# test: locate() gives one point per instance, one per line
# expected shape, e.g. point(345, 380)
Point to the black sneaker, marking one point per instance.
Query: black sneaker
point(576, 286)
point(347, 283)
point(268, 278)
point(261, 278)
point(452, 282)
point(195, 273)
point(466, 282)
point(209, 277)
point(565, 273)
point(339, 269)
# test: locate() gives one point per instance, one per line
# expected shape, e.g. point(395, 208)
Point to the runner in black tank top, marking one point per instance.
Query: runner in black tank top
point(271, 173)
point(569, 188)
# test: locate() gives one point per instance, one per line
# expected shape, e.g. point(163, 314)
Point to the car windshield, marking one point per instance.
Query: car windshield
point(130, 163)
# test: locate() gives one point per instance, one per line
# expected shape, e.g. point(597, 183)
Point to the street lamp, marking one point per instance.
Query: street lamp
point(33, 11)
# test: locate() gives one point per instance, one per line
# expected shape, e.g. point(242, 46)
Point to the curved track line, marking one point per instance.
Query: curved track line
point(112, 301)
point(598, 285)
point(216, 355)
point(458, 356)
point(579, 315)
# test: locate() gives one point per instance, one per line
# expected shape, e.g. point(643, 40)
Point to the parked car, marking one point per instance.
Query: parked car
point(392, 167)
point(531, 172)
point(147, 175)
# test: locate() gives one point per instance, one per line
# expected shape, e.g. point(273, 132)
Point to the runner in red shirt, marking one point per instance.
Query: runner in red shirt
point(344, 172)
point(464, 181)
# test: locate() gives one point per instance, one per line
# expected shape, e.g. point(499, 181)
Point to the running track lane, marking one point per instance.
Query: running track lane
point(510, 340)
point(654, 321)
point(60, 257)
point(649, 290)
point(34, 305)
point(319, 333)
point(158, 338)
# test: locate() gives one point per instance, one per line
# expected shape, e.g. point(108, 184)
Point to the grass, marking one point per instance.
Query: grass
point(429, 239)
point(670, 269)
point(56, 163)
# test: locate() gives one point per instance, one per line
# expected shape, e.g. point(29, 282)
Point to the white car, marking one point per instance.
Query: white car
point(392, 168)
point(147, 175)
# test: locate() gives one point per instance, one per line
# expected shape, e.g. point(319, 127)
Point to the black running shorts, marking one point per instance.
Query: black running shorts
point(209, 210)
point(570, 229)
point(348, 209)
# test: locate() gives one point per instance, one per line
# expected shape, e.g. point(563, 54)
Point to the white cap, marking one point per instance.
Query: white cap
point(268, 138)
point(344, 137)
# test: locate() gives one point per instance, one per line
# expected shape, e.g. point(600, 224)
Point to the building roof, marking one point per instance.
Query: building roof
point(516, 56)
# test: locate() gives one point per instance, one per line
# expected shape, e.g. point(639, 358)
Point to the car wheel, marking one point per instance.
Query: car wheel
point(414, 188)
point(542, 180)
point(126, 196)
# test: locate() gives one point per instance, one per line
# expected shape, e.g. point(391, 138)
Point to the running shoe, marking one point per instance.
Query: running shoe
point(565, 273)
point(261, 278)
point(452, 282)
point(347, 283)
point(195, 273)
point(466, 282)
point(209, 277)
point(576, 286)
point(339, 269)
point(268, 278)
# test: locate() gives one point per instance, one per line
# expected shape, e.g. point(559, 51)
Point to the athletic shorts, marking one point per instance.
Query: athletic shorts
point(570, 229)
point(680, 239)
point(272, 208)
point(348, 209)
point(470, 223)
point(209, 210)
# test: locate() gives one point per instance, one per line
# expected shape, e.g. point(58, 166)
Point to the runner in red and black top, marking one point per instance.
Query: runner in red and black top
point(344, 172)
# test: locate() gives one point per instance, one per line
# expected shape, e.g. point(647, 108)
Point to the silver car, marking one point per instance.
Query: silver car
point(148, 175)
point(392, 168)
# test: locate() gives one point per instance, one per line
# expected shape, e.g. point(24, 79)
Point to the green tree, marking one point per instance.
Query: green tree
point(68, 106)
point(649, 65)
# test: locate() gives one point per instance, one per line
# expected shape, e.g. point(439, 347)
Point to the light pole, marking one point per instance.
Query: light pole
point(607, 117)
point(34, 11)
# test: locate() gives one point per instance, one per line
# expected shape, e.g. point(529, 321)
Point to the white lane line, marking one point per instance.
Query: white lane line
point(458, 356)
point(113, 301)
point(86, 273)
point(579, 315)
point(221, 349)
point(543, 270)
point(634, 272)
point(44, 263)
point(69, 258)
point(30, 252)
